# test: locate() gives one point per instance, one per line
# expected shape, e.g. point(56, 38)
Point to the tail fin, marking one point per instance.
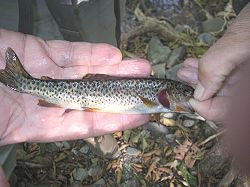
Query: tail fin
point(14, 72)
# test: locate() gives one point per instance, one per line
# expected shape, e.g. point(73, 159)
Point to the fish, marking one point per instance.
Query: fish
point(99, 92)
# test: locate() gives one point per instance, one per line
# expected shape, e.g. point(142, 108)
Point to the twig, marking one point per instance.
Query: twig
point(211, 137)
point(150, 24)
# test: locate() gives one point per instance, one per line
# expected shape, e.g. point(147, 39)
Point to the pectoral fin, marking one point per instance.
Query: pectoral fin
point(92, 110)
point(99, 76)
point(87, 76)
point(147, 102)
point(45, 78)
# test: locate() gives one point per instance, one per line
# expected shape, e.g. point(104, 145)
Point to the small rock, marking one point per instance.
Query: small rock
point(170, 138)
point(157, 52)
point(172, 72)
point(75, 151)
point(212, 25)
point(156, 129)
point(176, 56)
point(169, 115)
point(80, 174)
point(59, 145)
point(132, 151)
point(159, 70)
point(62, 144)
point(130, 183)
point(100, 182)
point(84, 149)
point(188, 123)
point(206, 38)
point(66, 144)
point(180, 28)
point(95, 171)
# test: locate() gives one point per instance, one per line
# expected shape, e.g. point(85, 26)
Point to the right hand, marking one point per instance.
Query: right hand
point(217, 69)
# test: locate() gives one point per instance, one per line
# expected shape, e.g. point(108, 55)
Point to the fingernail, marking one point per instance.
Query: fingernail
point(199, 91)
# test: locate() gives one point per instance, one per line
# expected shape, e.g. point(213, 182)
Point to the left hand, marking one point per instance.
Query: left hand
point(23, 120)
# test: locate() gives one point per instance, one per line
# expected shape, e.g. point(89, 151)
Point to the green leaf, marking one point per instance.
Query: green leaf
point(190, 179)
point(126, 135)
point(144, 144)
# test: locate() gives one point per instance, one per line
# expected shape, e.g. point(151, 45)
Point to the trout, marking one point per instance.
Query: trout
point(99, 92)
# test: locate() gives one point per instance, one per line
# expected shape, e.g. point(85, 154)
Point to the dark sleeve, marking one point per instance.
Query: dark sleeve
point(25, 24)
point(238, 5)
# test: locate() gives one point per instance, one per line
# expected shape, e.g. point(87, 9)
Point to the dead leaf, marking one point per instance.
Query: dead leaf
point(182, 149)
point(61, 157)
point(171, 184)
point(151, 168)
point(118, 173)
point(149, 153)
point(190, 157)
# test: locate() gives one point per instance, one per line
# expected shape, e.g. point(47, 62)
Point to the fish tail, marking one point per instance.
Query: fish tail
point(14, 73)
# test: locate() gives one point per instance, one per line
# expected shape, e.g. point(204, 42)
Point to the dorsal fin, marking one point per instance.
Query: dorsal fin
point(98, 76)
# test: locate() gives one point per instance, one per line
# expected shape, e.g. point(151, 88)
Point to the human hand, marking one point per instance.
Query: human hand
point(214, 108)
point(217, 69)
point(23, 120)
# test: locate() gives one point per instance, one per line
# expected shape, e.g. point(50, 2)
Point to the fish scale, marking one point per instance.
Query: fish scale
point(99, 92)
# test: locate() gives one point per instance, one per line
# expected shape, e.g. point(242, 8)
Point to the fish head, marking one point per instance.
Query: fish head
point(176, 97)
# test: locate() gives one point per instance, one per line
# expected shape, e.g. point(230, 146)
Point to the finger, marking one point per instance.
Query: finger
point(140, 68)
point(214, 109)
point(191, 62)
point(68, 54)
point(78, 125)
point(136, 67)
point(188, 74)
point(103, 123)
point(218, 62)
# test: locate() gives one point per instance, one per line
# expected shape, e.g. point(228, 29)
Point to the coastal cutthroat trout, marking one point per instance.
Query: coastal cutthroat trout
point(99, 92)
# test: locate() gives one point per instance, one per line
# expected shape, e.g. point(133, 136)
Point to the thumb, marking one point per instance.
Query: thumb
point(214, 109)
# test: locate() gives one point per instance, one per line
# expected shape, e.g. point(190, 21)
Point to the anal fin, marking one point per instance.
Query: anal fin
point(98, 76)
point(92, 109)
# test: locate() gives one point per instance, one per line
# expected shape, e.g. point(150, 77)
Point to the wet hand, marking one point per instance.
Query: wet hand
point(23, 120)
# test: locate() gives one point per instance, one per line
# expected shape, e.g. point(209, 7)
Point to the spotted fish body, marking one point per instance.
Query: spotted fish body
point(100, 92)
